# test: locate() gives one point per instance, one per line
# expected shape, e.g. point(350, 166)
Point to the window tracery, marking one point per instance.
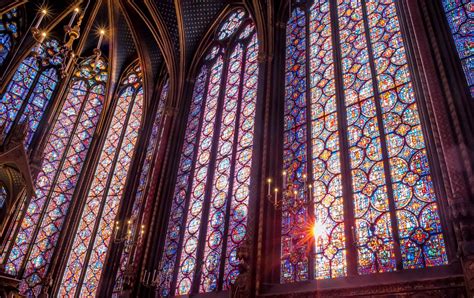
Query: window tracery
point(353, 131)
point(65, 152)
point(91, 241)
point(31, 88)
point(209, 211)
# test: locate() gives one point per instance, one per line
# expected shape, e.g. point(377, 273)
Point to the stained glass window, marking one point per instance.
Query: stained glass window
point(208, 217)
point(9, 32)
point(153, 146)
point(30, 90)
point(92, 239)
point(352, 132)
point(460, 15)
point(65, 152)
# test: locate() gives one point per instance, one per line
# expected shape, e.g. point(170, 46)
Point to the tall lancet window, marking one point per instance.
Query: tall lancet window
point(153, 147)
point(9, 23)
point(32, 242)
point(92, 238)
point(208, 216)
point(460, 15)
point(353, 133)
point(31, 88)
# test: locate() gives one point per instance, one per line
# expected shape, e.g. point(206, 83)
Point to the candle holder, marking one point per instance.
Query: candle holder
point(131, 243)
point(294, 194)
point(41, 14)
point(149, 279)
point(130, 239)
point(65, 52)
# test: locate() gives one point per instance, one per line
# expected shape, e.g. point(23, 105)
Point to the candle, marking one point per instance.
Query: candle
point(310, 190)
point(304, 182)
point(284, 179)
point(147, 277)
point(269, 181)
point(40, 18)
point(101, 36)
point(42, 37)
point(154, 275)
point(73, 17)
point(116, 229)
point(276, 197)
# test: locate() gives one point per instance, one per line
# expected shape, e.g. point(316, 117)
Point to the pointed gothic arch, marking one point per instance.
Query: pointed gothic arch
point(208, 218)
point(29, 93)
point(90, 245)
point(353, 132)
point(37, 228)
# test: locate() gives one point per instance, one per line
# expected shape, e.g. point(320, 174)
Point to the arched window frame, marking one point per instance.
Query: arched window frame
point(105, 194)
point(33, 69)
point(216, 60)
point(309, 273)
point(65, 154)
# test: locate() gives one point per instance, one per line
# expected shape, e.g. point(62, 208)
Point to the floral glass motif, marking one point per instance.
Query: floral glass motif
point(208, 216)
point(460, 16)
point(145, 177)
point(9, 23)
point(31, 88)
point(65, 152)
point(390, 191)
point(89, 248)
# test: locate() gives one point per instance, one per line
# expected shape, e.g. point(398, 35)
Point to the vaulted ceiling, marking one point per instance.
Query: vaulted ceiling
point(162, 34)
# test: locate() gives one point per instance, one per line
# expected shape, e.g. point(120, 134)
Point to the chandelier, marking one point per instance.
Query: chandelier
point(294, 194)
point(66, 55)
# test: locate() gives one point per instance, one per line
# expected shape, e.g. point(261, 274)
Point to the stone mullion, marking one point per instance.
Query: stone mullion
point(53, 184)
point(309, 145)
point(191, 174)
point(383, 141)
point(210, 173)
point(346, 175)
point(233, 157)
